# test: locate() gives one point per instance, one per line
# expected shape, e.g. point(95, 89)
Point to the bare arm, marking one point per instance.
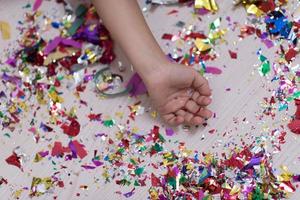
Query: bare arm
point(124, 20)
point(168, 84)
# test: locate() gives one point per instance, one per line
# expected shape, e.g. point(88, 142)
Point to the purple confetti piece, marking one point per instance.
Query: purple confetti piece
point(59, 40)
point(70, 42)
point(202, 11)
point(296, 178)
point(136, 85)
point(129, 194)
point(97, 163)
point(43, 153)
point(12, 62)
point(12, 79)
point(52, 45)
point(88, 167)
point(45, 128)
point(169, 132)
point(73, 149)
point(254, 161)
point(269, 44)
point(2, 94)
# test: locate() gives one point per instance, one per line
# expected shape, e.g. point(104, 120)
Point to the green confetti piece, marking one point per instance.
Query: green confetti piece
point(60, 77)
point(296, 95)
point(157, 148)
point(136, 183)
point(51, 89)
point(172, 182)
point(182, 180)
point(139, 171)
point(143, 148)
point(257, 194)
point(80, 10)
point(125, 182)
point(265, 68)
point(186, 56)
point(133, 161)
point(121, 150)
point(215, 24)
point(161, 138)
point(109, 123)
point(76, 24)
point(262, 58)
point(207, 198)
point(7, 135)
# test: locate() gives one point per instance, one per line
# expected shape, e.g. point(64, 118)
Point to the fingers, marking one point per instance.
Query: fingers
point(192, 106)
point(189, 118)
point(204, 113)
point(200, 84)
point(173, 120)
point(203, 101)
point(173, 105)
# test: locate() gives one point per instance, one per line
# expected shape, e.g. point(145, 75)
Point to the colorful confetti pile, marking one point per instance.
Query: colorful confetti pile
point(40, 71)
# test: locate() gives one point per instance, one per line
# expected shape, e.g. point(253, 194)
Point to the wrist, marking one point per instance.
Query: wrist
point(151, 70)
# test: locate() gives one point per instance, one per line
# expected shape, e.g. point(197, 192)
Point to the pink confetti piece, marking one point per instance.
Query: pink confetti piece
point(37, 5)
point(213, 70)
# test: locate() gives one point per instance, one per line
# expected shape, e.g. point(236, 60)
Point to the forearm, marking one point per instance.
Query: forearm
point(124, 20)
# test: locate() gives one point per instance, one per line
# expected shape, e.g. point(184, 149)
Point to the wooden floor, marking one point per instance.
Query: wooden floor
point(231, 106)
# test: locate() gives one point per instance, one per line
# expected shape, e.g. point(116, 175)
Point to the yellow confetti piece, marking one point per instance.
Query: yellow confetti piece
point(154, 114)
point(236, 189)
point(253, 9)
point(201, 45)
point(55, 98)
point(58, 55)
point(119, 115)
point(5, 30)
point(210, 5)
point(17, 194)
point(37, 158)
point(286, 175)
point(40, 186)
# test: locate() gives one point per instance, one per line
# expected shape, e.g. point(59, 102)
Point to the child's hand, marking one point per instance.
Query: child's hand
point(179, 94)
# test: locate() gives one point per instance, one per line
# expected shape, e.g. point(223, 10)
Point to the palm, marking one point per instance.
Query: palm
point(181, 95)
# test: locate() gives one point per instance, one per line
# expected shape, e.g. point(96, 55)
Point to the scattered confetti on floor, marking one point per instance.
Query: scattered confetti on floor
point(40, 71)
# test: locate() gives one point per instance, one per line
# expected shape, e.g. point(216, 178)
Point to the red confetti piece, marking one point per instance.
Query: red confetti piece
point(294, 125)
point(15, 160)
point(58, 149)
point(155, 182)
point(290, 55)
point(172, 12)
point(232, 54)
point(81, 152)
point(94, 117)
point(167, 36)
point(71, 129)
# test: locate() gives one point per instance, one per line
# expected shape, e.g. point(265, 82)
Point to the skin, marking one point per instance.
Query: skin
point(178, 92)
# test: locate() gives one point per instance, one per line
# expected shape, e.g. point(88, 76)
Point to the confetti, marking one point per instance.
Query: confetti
point(37, 4)
point(49, 79)
point(5, 30)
